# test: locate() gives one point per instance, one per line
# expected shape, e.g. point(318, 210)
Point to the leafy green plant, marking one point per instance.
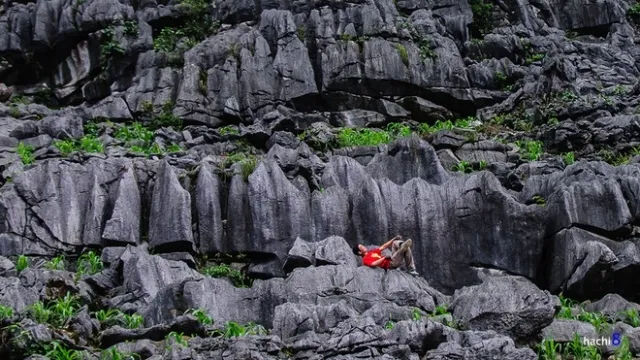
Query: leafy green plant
point(593, 353)
point(233, 329)
point(59, 352)
point(63, 308)
point(65, 147)
point(57, 263)
point(228, 130)
point(14, 112)
point(462, 166)
point(598, 320)
point(634, 12)
point(440, 310)
point(539, 200)
point(90, 144)
point(130, 28)
point(404, 54)
point(482, 165)
point(173, 148)
point(109, 47)
point(25, 152)
point(534, 58)
point(224, 270)
point(619, 90)
point(89, 263)
point(482, 22)
point(569, 158)
point(425, 49)
point(5, 312)
point(202, 316)
point(548, 349)
point(362, 137)
point(398, 130)
point(166, 118)
point(389, 324)
point(531, 149)
point(623, 352)
point(22, 263)
point(576, 348)
point(133, 321)
point(39, 312)
point(252, 328)
point(114, 354)
point(105, 316)
point(416, 314)
point(631, 317)
point(177, 338)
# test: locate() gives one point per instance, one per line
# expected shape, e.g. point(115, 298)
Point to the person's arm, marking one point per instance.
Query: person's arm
point(378, 262)
point(389, 243)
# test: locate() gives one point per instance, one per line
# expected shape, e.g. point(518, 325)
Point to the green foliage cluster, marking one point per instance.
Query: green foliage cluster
point(404, 54)
point(22, 263)
point(482, 22)
point(6, 312)
point(196, 27)
point(362, 137)
point(633, 12)
point(467, 167)
point(57, 312)
point(248, 163)
point(25, 152)
point(569, 158)
point(228, 130)
point(57, 263)
point(202, 316)
point(534, 58)
point(114, 354)
point(109, 47)
point(112, 317)
point(164, 118)
point(531, 149)
point(548, 349)
point(425, 48)
point(87, 144)
point(233, 329)
point(225, 271)
point(61, 352)
point(425, 129)
point(89, 263)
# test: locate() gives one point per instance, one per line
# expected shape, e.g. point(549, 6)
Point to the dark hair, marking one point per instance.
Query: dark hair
point(356, 249)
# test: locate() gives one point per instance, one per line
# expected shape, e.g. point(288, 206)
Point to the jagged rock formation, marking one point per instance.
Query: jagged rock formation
point(168, 135)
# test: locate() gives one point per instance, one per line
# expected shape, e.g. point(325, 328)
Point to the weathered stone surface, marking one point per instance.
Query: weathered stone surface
point(208, 196)
point(170, 219)
point(506, 304)
point(123, 227)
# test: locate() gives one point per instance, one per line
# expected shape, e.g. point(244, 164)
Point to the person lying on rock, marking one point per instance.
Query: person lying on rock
point(400, 252)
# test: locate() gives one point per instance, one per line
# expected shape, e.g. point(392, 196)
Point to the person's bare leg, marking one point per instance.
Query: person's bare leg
point(408, 260)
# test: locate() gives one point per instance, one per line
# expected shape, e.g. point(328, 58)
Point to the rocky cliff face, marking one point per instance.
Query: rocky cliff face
point(223, 156)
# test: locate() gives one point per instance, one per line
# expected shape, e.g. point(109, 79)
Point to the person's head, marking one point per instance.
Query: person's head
point(359, 249)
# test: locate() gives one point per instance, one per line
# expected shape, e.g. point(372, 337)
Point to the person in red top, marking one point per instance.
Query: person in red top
point(401, 253)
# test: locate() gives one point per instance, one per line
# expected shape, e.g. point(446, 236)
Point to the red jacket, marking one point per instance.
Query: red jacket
point(373, 255)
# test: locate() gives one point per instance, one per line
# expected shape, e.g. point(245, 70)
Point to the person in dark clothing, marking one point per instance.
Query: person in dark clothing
point(400, 253)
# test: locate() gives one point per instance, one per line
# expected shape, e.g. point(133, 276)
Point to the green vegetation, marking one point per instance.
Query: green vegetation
point(633, 12)
point(404, 54)
point(175, 338)
point(228, 130)
point(139, 139)
point(89, 263)
point(398, 130)
point(223, 270)
point(301, 31)
point(233, 329)
point(202, 316)
point(14, 112)
point(623, 352)
point(197, 27)
point(539, 200)
point(619, 90)
point(416, 314)
point(22, 263)
point(426, 49)
point(114, 354)
point(248, 163)
point(531, 149)
point(5, 312)
point(116, 317)
point(164, 118)
point(109, 47)
point(425, 129)
point(130, 28)
point(87, 144)
point(534, 58)
point(57, 263)
point(630, 317)
point(569, 158)
point(482, 24)
point(57, 312)
point(60, 352)
point(25, 152)
point(362, 137)
point(389, 324)
point(548, 349)
point(467, 167)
